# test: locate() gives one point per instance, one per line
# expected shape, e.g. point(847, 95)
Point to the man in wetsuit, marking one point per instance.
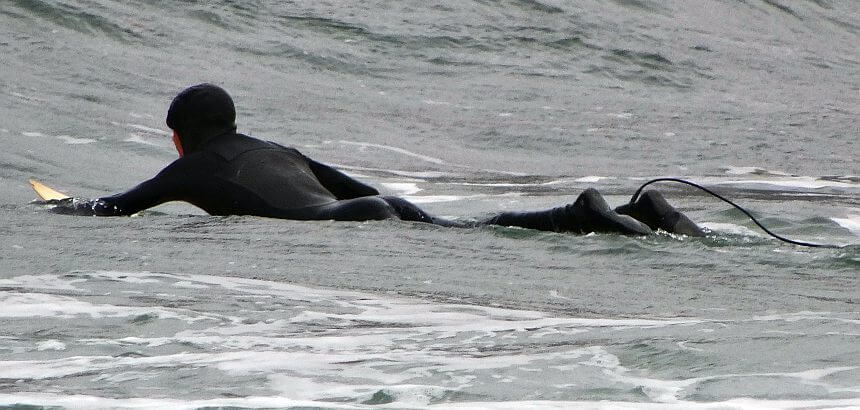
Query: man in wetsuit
point(227, 173)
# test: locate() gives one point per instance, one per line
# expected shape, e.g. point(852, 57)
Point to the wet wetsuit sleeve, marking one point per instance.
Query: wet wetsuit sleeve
point(164, 187)
point(341, 185)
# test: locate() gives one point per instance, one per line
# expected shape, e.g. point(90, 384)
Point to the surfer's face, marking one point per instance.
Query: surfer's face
point(178, 144)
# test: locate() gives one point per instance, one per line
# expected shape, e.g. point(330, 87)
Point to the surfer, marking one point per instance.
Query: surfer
point(227, 173)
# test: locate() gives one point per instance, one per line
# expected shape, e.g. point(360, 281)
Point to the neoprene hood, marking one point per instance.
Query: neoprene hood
point(201, 112)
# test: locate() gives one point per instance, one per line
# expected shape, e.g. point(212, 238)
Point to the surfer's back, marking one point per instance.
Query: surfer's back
point(254, 177)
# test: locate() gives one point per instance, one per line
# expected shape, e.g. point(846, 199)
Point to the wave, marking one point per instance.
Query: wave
point(84, 18)
point(302, 346)
point(623, 40)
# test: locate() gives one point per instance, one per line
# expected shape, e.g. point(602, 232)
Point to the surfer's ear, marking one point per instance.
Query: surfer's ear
point(178, 143)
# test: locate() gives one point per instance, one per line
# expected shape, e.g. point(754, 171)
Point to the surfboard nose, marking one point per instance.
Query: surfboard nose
point(45, 192)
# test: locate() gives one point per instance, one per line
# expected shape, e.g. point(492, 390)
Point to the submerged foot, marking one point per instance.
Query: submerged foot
point(594, 215)
point(652, 209)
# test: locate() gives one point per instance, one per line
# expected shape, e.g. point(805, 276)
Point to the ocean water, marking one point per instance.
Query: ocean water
point(465, 108)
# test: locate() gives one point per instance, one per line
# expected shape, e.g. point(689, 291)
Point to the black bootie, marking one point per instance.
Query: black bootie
point(652, 209)
point(589, 213)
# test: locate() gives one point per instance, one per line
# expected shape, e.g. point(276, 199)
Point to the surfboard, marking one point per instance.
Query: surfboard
point(45, 192)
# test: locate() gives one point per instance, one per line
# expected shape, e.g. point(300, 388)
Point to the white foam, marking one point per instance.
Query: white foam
point(138, 139)
point(728, 228)
point(251, 286)
point(65, 138)
point(592, 179)
point(39, 282)
point(302, 388)
point(508, 184)
point(417, 174)
point(663, 391)
point(402, 188)
point(190, 285)
point(148, 129)
point(53, 368)
point(138, 115)
point(621, 115)
point(796, 316)
point(410, 174)
point(395, 311)
point(429, 199)
point(741, 403)
point(669, 391)
point(394, 149)
point(26, 97)
point(51, 345)
point(20, 305)
point(431, 102)
point(74, 141)
point(94, 402)
point(850, 222)
point(138, 277)
point(789, 182)
point(815, 374)
point(327, 346)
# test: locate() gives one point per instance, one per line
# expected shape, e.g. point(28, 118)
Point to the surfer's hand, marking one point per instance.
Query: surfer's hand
point(70, 206)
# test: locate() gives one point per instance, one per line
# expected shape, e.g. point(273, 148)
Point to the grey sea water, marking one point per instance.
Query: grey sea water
point(466, 108)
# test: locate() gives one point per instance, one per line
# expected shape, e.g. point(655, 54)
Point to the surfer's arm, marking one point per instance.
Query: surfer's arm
point(130, 202)
point(145, 195)
point(180, 181)
point(164, 187)
point(341, 185)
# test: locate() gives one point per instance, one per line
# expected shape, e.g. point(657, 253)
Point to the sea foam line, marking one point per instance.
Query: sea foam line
point(96, 402)
point(791, 182)
point(21, 305)
point(410, 341)
point(147, 129)
point(65, 138)
point(850, 222)
point(394, 149)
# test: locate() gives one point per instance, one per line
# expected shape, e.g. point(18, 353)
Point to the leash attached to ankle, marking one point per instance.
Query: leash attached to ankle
point(693, 184)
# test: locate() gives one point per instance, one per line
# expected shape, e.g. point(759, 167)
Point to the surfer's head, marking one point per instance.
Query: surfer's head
point(200, 112)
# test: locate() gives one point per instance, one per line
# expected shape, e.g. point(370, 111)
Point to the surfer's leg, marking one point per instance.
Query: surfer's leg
point(366, 208)
point(375, 208)
point(652, 209)
point(410, 212)
point(589, 213)
point(407, 210)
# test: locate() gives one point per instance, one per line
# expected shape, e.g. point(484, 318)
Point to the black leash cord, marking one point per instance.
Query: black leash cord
point(791, 241)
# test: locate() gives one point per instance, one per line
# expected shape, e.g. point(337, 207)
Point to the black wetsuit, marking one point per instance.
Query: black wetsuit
point(226, 173)
point(233, 174)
